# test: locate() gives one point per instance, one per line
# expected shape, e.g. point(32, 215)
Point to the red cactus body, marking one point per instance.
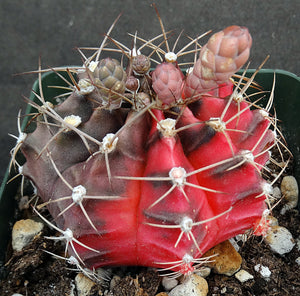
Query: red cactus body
point(157, 186)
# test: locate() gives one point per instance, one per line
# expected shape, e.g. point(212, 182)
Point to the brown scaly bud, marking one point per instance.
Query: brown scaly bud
point(108, 77)
point(224, 54)
point(141, 64)
point(167, 83)
point(132, 83)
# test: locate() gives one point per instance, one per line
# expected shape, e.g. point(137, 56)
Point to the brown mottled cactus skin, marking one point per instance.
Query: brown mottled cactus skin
point(158, 177)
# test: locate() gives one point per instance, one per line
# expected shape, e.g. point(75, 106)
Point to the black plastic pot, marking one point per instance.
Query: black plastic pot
point(286, 103)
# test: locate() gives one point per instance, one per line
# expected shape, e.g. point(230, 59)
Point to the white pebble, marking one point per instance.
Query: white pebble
point(223, 290)
point(243, 276)
point(194, 285)
point(169, 283)
point(263, 270)
point(298, 260)
point(24, 232)
point(280, 240)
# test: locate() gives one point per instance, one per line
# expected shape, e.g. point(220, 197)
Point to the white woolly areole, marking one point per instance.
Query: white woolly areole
point(21, 138)
point(178, 175)
point(216, 124)
point(248, 155)
point(134, 52)
point(267, 188)
point(68, 234)
point(109, 143)
point(93, 65)
point(73, 120)
point(171, 57)
point(186, 224)
point(20, 170)
point(266, 213)
point(264, 113)
point(73, 261)
point(187, 258)
point(78, 193)
point(238, 97)
point(167, 127)
point(86, 87)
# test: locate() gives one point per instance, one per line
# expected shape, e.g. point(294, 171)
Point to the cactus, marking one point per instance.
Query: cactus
point(152, 168)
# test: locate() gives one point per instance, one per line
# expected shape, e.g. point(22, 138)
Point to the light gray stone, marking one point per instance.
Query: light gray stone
point(194, 285)
point(24, 232)
point(204, 271)
point(169, 283)
point(280, 240)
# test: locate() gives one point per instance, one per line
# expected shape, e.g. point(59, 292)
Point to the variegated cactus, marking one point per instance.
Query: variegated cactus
point(152, 168)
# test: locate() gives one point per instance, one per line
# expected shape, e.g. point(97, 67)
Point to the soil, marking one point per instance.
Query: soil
point(33, 271)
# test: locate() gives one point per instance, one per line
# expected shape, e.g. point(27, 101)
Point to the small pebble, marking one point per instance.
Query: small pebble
point(24, 232)
point(263, 270)
point(298, 260)
point(114, 281)
point(272, 221)
point(227, 260)
point(243, 276)
point(290, 191)
point(203, 272)
point(280, 240)
point(83, 284)
point(169, 283)
point(223, 290)
point(298, 243)
point(276, 193)
point(194, 285)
